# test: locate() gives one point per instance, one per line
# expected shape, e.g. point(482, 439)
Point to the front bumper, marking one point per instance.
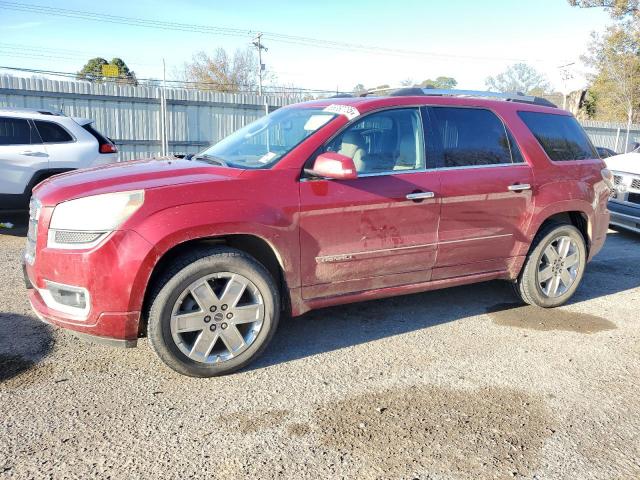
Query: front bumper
point(115, 329)
point(625, 216)
point(110, 272)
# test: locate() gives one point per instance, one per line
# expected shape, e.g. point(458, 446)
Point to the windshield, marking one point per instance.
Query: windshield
point(265, 141)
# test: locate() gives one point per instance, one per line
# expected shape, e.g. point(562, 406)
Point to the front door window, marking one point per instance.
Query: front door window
point(384, 142)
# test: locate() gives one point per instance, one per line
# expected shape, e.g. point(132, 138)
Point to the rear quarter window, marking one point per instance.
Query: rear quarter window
point(561, 136)
point(96, 134)
point(52, 132)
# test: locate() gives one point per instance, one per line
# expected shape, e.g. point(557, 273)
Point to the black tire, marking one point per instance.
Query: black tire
point(182, 273)
point(527, 286)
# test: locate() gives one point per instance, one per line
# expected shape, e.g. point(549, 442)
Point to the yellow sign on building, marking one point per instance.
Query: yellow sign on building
point(110, 70)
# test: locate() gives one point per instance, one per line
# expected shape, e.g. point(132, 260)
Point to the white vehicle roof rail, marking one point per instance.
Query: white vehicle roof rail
point(34, 111)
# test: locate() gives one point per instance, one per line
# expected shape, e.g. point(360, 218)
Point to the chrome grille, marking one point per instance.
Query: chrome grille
point(32, 232)
point(626, 188)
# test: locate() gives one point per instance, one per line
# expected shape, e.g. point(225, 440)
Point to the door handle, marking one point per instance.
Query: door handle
point(418, 196)
point(30, 153)
point(519, 187)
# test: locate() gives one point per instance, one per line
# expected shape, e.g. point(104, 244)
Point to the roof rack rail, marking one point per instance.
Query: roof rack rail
point(41, 111)
point(436, 92)
point(373, 91)
point(509, 97)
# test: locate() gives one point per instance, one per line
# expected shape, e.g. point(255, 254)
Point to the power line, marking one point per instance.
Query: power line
point(236, 32)
point(59, 52)
point(244, 88)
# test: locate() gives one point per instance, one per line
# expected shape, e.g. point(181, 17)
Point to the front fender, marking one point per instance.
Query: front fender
point(170, 227)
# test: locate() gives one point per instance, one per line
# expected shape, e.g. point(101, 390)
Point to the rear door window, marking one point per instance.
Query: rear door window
point(52, 132)
point(17, 131)
point(469, 137)
point(561, 136)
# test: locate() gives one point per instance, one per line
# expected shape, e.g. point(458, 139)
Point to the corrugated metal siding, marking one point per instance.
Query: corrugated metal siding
point(610, 134)
point(131, 115)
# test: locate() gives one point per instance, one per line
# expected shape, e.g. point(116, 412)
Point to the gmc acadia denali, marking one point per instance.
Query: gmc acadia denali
point(320, 203)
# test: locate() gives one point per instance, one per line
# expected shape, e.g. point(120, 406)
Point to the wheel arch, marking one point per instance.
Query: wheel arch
point(571, 213)
point(257, 247)
point(42, 175)
point(577, 218)
point(577, 213)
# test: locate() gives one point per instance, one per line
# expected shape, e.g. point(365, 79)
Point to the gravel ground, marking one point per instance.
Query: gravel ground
point(458, 383)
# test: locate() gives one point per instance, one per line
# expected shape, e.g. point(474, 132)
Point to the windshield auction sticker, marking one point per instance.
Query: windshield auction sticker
point(346, 110)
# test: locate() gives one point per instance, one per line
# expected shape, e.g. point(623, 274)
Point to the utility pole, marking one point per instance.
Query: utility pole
point(566, 75)
point(257, 42)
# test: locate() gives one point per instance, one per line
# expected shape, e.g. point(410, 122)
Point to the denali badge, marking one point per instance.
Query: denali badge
point(334, 258)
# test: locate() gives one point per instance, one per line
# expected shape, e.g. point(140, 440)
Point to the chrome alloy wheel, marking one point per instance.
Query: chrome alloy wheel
point(558, 267)
point(217, 317)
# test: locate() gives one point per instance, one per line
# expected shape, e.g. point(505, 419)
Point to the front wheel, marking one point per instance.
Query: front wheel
point(215, 311)
point(554, 267)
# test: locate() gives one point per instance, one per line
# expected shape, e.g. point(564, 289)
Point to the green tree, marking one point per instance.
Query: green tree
point(615, 58)
point(92, 71)
point(222, 72)
point(124, 74)
point(446, 83)
point(521, 78)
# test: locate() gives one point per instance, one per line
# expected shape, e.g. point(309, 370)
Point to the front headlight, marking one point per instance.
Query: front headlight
point(83, 222)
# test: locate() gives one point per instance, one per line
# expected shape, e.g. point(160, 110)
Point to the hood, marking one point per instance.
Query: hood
point(134, 175)
point(627, 163)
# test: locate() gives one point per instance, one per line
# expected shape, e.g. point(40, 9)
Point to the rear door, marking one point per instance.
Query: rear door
point(367, 233)
point(64, 149)
point(21, 154)
point(486, 192)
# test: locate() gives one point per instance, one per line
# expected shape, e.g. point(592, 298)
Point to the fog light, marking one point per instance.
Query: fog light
point(66, 298)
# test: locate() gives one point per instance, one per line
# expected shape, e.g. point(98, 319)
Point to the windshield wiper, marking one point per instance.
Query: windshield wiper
point(211, 159)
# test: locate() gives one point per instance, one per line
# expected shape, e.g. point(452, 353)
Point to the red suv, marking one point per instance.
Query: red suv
point(317, 204)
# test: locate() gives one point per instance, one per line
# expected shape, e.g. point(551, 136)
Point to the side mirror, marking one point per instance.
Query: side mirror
point(334, 165)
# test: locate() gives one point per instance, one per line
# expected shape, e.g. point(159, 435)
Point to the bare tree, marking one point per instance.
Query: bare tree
point(519, 77)
point(618, 8)
point(223, 73)
point(359, 89)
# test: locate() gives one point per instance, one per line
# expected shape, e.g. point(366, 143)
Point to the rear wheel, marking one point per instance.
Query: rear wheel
point(215, 312)
point(554, 267)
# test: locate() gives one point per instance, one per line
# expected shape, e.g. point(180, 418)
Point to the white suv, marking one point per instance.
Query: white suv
point(35, 144)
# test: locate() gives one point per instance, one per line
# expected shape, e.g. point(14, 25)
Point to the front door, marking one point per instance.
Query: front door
point(380, 229)
point(486, 192)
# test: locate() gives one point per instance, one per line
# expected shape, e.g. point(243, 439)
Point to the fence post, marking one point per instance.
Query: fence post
point(162, 124)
